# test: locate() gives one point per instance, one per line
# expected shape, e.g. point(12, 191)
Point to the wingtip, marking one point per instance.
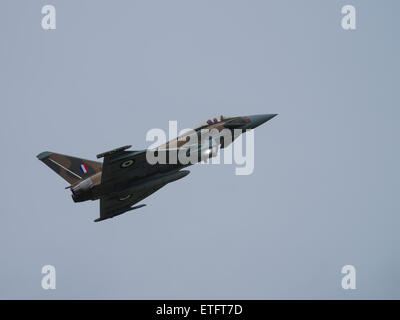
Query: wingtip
point(44, 155)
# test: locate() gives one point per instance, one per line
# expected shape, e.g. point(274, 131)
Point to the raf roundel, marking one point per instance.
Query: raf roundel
point(127, 163)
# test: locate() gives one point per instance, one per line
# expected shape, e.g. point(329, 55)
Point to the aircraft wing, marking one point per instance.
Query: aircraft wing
point(123, 202)
point(119, 163)
point(122, 167)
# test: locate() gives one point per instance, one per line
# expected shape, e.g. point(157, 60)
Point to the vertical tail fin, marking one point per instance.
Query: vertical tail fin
point(71, 169)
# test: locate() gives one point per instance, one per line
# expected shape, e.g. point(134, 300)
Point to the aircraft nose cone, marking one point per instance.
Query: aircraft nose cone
point(259, 119)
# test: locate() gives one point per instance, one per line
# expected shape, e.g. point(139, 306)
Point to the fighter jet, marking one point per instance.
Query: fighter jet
point(126, 177)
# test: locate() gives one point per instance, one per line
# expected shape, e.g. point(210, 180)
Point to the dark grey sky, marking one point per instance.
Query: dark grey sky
point(325, 188)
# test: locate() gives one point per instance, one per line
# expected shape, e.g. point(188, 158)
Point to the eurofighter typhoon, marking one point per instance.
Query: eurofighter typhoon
point(127, 177)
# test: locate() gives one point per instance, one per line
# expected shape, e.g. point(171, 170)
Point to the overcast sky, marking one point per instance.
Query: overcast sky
point(325, 189)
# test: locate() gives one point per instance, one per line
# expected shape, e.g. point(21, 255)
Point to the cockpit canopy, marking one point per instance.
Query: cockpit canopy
point(212, 121)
